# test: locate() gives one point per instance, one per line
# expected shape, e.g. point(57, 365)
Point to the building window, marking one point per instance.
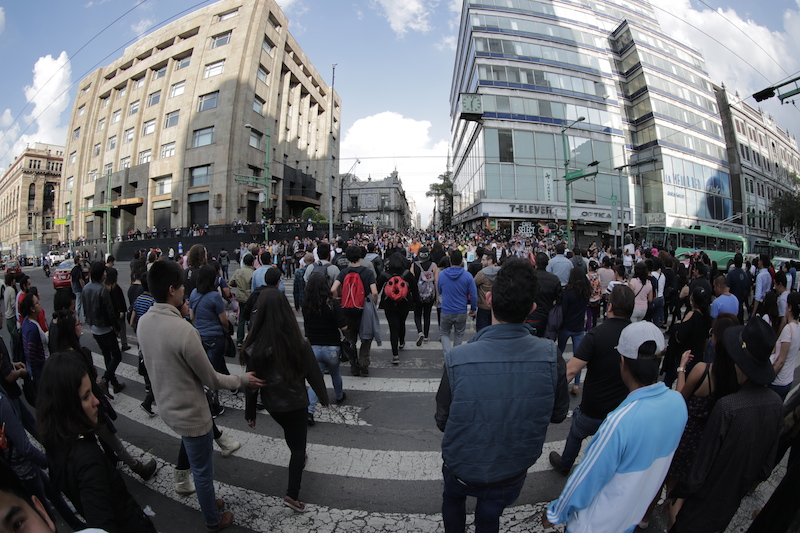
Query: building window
point(121, 92)
point(76, 133)
point(354, 203)
point(127, 136)
point(228, 15)
point(138, 84)
point(163, 185)
point(168, 150)
point(177, 89)
point(214, 69)
point(200, 176)
point(148, 127)
point(160, 73)
point(112, 142)
point(183, 62)
point(208, 101)
point(255, 139)
point(72, 157)
point(221, 40)
point(384, 201)
point(101, 124)
point(153, 98)
point(70, 182)
point(262, 74)
point(81, 110)
point(96, 150)
point(258, 105)
point(116, 115)
point(267, 46)
point(109, 169)
point(274, 23)
point(85, 89)
point(104, 102)
point(172, 119)
point(144, 157)
point(203, 137)
point(125, 162)
point(506, 143)
point(133, 108)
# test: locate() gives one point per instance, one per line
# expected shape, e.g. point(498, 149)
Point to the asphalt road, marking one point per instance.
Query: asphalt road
point(374, 461)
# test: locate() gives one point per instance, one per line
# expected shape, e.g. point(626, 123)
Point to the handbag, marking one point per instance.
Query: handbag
point(230, 347)
point(348, 351)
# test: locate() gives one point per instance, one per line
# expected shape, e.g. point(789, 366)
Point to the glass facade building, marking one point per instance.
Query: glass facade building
point(650, 121)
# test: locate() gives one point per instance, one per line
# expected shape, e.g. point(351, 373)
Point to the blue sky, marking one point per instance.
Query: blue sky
point(394, 66)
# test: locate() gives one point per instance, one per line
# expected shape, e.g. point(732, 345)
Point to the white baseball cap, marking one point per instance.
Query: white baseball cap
point(636, 334)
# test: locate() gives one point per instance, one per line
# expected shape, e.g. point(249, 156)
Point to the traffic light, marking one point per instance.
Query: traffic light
point(271, 213)
point(264, 213)
point(767, 93)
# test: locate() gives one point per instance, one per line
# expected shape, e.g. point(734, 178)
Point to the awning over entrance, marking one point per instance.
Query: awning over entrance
point(302, 200)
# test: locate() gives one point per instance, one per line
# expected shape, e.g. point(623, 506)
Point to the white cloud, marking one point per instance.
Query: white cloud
point(448, 42)
point(388, 141)
point(775, 62)
point(359, 12)
point(141, 27)
point(403, 16)
point(49, 98)
point(2, 20)
point(92, 3)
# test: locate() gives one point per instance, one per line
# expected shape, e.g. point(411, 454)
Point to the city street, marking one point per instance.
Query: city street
point(374, 462)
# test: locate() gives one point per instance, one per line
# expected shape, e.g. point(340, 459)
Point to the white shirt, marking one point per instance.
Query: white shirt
point(790, 334)
point(783, 301)
point(627, 257)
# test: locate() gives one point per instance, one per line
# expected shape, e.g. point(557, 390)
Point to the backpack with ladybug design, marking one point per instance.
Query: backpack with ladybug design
point(396, 289)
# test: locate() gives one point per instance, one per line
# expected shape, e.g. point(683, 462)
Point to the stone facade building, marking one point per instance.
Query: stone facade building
point(380, 203)
point(29, 197)
point(163, 132)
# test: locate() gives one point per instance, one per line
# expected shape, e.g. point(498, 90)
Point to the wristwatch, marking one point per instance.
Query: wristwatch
point(681, 369)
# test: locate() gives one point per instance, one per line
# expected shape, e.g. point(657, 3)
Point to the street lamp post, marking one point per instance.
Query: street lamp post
point(265, 182)
point(330, 195)
point(567, 180)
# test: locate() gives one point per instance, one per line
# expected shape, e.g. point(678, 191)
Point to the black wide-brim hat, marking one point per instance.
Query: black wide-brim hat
point(750, 347)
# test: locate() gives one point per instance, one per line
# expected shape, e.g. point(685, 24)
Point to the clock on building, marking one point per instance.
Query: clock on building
point(471, 105)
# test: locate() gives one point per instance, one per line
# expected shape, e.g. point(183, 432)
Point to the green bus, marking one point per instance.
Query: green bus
point(718, 245)
point(778, 250)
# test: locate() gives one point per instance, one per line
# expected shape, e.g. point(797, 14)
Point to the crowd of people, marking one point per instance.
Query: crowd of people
point(686, 372)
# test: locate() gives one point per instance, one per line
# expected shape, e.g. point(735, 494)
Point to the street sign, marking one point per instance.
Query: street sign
point(583, 173)
point(614, 197)
point(60, 221)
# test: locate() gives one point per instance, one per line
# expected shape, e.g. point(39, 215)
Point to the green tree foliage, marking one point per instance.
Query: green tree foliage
point(787, 208)
point(313, 214)
point(443, 189)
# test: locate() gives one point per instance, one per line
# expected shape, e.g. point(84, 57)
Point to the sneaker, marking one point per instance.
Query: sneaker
point(555, 462)
point(260, 406)
point(226, 520)
point(234, 391)
point(126, 348)
point(147, 409)
point(395, 359)
point(402, 345)
point(343, 398)
point(297, 505)
point(364, 371)
point(310, 419)
point(104, 387)
point(217, 412)
point(420, 338)
point(426, 339)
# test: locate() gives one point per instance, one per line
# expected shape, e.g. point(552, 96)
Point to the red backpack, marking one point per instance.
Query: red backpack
point(353, 293)
point(396, 289)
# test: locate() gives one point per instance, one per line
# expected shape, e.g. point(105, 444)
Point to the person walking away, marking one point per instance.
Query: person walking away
point(642, 290)
point(560, 265)
point(102, 319)
point(595, 298)
point(120, 306)
point(574, 301)
point(323, 321)
point(483, 282)
point(224, 262)
point(457, 289)
point(725, 301)
point(740, 439)
point(140, 306)
point(300, 282)
point(398, 292)
point(425, 272)
point(763, 281)
point(10, 314)
point(77, 282)
point(603, 389)
point(690, 334)
point(658, 303)
point(178, 367)
point(277, 353)
point(740, 283)
point(240, 283)
point(353, 286)
point(497, 396)
point(548, 295)
point(67, 416)
point(626, 462)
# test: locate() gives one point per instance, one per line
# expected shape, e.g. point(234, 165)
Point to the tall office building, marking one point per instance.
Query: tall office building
point(650, 121)
point(159, 136)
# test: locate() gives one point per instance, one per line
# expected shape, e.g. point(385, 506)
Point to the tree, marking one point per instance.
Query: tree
point(313, 214)
point(787, 208)
point(444, 190)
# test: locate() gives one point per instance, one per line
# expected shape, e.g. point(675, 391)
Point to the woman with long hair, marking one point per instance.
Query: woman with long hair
point(785, 353)
point(691, 334)
point(397, 310)
point(768, 311)
point(67, 415)
point(323, 320)
point(35, 349)
point(574, 301)
point(207, 311)
point(278, 354)
point(642, 291)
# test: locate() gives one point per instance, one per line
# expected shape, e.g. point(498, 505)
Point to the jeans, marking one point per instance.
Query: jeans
point(592, 314)
point(327, 357)
point(111, 354)
point(781, 390)
point(79, 304)
point(397, 327)
point(353, 326)
point(295, 429)
point(577, 337)
point(581, 428)
point(215, 350)
point(448, 322)
point(200, 452)
point(492, 500)
point(658, 311)
point(483, 318)
point(422, 317)
point(123, 330)
point(240, 327)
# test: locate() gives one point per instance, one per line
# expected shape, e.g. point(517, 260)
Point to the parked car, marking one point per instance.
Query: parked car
point(62, 276)
point(55, 257)
point(13, 266)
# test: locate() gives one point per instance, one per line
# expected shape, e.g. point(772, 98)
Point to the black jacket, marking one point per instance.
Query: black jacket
point(549, 291)
point(98, 307)
point(92, 483)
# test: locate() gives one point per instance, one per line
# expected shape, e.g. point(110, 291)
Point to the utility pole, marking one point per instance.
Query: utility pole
point(331, 109)
point(266, 181)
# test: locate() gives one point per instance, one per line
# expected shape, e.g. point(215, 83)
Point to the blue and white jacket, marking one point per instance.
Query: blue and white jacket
point(624, 465)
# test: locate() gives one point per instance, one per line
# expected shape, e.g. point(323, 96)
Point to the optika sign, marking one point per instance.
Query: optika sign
point(531, 209)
